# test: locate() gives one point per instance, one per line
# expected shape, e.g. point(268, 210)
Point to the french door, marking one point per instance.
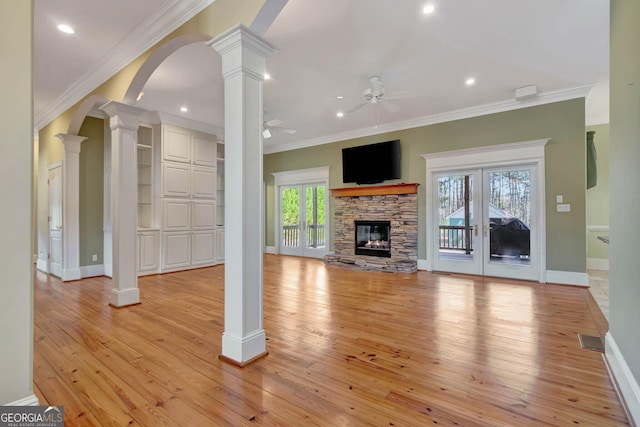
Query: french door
point(486, 222)
point(302, 220)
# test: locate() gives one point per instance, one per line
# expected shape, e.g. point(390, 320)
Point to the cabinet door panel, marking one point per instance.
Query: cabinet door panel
point(148, 251)
point(176, 250)
point(175, 214)
point(204, 182)
point(204, 247)
point(203, 214)
point(204, 150)
point(220, 245)
point(175, 180)
point(176, 144)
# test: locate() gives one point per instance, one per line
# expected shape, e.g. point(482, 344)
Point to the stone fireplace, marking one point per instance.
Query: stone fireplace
point(376, 228)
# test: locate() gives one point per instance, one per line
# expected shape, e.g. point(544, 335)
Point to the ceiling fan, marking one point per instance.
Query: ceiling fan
point(375, 94)
point(274, 125)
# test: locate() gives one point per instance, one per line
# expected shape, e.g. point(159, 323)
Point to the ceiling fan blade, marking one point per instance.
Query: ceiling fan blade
point(356, 108)
point(285, 130)
point(273, 122)
point(390, 106)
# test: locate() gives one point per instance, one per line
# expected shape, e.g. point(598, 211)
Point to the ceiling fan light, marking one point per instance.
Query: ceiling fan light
point(266, 134)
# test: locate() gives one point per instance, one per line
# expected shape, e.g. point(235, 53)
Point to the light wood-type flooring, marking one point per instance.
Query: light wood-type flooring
point(346, 348)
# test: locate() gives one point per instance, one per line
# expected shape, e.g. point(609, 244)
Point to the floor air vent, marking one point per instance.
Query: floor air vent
point(591, 342)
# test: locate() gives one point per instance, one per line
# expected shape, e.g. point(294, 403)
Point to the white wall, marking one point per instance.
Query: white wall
point(16, 173)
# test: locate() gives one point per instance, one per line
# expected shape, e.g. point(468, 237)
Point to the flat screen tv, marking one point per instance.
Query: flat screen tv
point(371, 164)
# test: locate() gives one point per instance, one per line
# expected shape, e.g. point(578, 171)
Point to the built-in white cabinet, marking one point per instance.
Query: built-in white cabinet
point(189, 182)
point(148, 251)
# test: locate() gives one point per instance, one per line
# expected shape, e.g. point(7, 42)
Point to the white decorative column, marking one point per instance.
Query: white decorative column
point(124, 201)
point(243, 67)
point(71, 206)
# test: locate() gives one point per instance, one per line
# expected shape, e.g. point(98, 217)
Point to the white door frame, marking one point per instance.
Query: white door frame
point(526, 152)
point(318, 175)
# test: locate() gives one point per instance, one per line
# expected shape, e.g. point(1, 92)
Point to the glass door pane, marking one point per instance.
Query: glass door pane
point(456, 233)
point(509, 213)
point(290, 220)
point(315, 214)
point(510, 208)
point(315, 225)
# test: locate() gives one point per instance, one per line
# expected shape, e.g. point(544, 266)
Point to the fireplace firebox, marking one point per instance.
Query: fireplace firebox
point(373, 238)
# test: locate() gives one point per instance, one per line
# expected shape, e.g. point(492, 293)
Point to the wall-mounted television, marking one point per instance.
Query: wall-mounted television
point(372, 163)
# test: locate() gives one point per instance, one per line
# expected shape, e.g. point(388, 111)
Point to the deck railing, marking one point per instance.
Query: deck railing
point(456, 237)
point(315, 236)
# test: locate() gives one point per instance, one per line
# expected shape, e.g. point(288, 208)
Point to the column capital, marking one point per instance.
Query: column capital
point(71, 142)
point(241, 49)
point(123, 115)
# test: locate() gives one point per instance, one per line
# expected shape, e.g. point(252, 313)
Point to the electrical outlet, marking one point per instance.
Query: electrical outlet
point(94, 257)
point(559, 198)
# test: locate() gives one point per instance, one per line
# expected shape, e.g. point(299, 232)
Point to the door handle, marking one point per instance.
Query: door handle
point(59, 227)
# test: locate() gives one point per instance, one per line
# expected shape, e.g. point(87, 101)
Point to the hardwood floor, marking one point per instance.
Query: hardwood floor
point(345, 348)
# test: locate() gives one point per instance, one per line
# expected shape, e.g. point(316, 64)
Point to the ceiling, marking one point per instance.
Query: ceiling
point(330, 48)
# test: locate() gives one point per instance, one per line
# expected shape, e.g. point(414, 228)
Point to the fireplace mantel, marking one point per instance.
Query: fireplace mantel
point(375, 190)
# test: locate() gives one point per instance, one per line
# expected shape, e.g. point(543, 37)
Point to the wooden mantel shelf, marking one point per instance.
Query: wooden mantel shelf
point(375, 190)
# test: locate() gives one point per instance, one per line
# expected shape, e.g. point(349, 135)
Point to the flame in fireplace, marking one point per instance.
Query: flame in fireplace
point(377, 244)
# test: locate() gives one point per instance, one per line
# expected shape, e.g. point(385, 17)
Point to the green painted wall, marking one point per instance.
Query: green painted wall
point(91, 190)
point(565, 167)
point(598, 196)
point(624, 285)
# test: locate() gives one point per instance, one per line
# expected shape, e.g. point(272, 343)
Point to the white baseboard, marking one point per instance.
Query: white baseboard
point(92, 270)
point(31, 400)
point(422, 264)
point(42, 265)
point(625, 383)
point(70, 274)
point(124, 297)
point(598, 264)
point(567, 278)
point(270, 250)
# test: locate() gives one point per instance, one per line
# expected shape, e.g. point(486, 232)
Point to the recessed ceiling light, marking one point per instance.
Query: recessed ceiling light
point(470, 81)
point(339, 114)
point(66, 29)
point(339, 97)
point(428, 9)
point(267, 76)
point(184, 109)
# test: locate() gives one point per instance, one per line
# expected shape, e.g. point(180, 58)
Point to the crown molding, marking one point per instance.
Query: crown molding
point(171, 15)
point(159, 117)
point(464, 113)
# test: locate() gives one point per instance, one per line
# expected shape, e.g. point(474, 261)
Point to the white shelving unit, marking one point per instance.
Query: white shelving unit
point(145, 178)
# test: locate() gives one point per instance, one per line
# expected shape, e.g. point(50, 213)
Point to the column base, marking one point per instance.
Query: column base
point(123, 298)
point(243, 350)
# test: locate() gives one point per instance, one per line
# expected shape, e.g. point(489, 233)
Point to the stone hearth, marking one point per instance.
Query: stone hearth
point(395, 203)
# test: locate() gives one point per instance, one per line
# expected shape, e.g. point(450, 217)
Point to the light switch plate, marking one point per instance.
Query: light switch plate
point(564, 208)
